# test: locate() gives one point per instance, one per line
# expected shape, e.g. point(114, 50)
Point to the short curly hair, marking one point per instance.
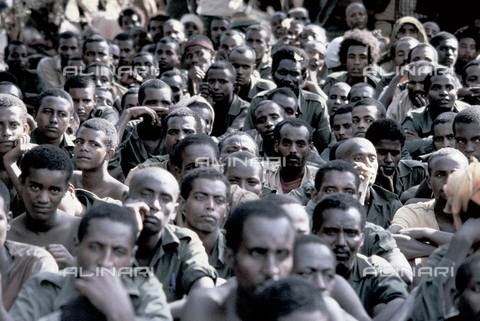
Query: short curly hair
point(358, 37)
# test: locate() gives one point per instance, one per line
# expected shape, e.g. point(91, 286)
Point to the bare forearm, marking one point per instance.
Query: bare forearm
point(412, 248)
point(440, 237)
point(387, 95)
point(122, 124)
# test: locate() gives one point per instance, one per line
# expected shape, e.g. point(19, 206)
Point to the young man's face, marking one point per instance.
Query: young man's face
point(43, 191)
point(237, 143)
point(389, 153)
point(17, 58)
point(206, 115)
point(101, 76)
point(191, 29)
point(174, 31)
point(90, 149)
point(276, 23)
point(67, 48)
point(217, 29)
point(447, 52)
point(431, 29)
point(356, 17)
point(228, 42)
point(473, 76)
point(467, 139)
point(439, 171)
point(401, 52)
point(131, 100)
point(5, 219)
point(155, 28)
point(157, 97)
point(248, 177)
point(53, 117)
point(362, 118)
point(364, 153)
point(244, 65)
point(83, 101)
point(337, 97)
point(360, 92)
point(416, 92)
point(342, 230)
point(423, 54)
point(196, 156)
point(265, 252)
point(337, 182)
point(442, 93)
point(107, 244)
point(289, 75)
point(97, 52)
point(407, 30)
point(288, 104)
point(12, 126)
point(206, 206)
point(268, 116)
point(167, 55)
point(220, 84)
point(316, 56)
point(443, 136)
point(177, 129)
point(342, 126)
point(315, 263)
point(198, 56)
point(294, 146)
point(104, 98)
point(145, 66)
point(127, 51)
point(467, 50)
point(468, 302)
point(115, 54)
point(176, 84)
point(357, 60)
point(259, 43)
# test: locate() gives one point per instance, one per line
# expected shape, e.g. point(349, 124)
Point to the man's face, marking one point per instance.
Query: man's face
point(53, 117)
point(473, 76)
point(467, 50)
point(424, 54)
point(206, 115)
point(220, 84)
point(104, 98)
point(401, 52)
point(160, 194)
point(174, 31)
point(294, 146)
point(155, 28)
point(416, 92)
point(145, 66)
point(357, 60)
point(17, 58)
point(198, 56)
point(206, 206)
point(337, 97)
point(342, 126)
point(131, 100)
point(12, 126)
point(288, 75)
point(265, 252)
point(300, 15)
point(102, 77)
point(127, 51)
point(467, 139)
point(157, 97)
point(90, 149)
point(288, 104)
point(237, 143)
point(315, 263)
point(431, 29)
point(191, 29)
point(83, 101)
point(299, 217)
point(247, 176)
point(268, 116)
point(343, 232)
point(244, 65)
point(407, 30)
point(362, 118)
point(442, 93)
point(128, 22)
point(276, 24)
point(167, 55)
point(107, 244)
point(316, 57)
point(389, 153)
point(259, 43)
point(447, 52)
point(43, 191)
point(360, 92)
point(439, 171)
point(115, 51)
point(97, 52)
point(176, 84)
point(337, 182)
point(4, 222)
point(228, 42)
point(67, 48)
point(364, 153)
point(196, 156)
point(178, 129)
point(217, 29)
point(468, 302)
point(356, 17)
point(443, 136)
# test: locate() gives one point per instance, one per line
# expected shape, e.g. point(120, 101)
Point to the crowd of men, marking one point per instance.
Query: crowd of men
point(312, 162)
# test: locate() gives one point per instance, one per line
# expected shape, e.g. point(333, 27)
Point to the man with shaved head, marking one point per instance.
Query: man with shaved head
point(176, 254)
point(380, 204)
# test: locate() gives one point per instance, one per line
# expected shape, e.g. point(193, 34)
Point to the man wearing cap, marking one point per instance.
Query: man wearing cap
point(198, 52)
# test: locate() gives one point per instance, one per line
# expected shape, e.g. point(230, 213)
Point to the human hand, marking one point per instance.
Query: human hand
point(20, 147)
point(61, 255)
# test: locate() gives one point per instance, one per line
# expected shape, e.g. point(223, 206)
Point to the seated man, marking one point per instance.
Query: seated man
point(260, 238)
point(365, 111)
point(360, 91)
point(46, 172)
point(53, 112)
point(267, 115)
point(106, 240)
point(176, 81)
point(258, 38)
point(394, 174)
point(198, 53)
point(337, 97)
point(229, 39)
point(339, 220)
point(94, 146)
point(245, 170)
point(18, 261)
point(342, 123)
point(466, 128)
point(237, 141)
point(204, 197)
point(176, 254)
point(168, 54)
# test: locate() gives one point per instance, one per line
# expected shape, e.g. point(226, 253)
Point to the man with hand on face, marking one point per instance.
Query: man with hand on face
point(95, 288)
point(247, 85)
point(176, 254)
point(198, 52)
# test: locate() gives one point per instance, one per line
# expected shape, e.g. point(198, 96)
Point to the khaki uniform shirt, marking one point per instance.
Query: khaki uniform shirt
point(234, 120)
point(264, 68)
point(408, 174)
point(217, 258)
point(50, 70)
point(66, 145)
point(383, 207)
point(258, 85)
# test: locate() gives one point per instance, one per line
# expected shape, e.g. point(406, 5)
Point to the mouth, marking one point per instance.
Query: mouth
point(360, 134)
point(52, 128)
point(42, 209)
point(342, 256)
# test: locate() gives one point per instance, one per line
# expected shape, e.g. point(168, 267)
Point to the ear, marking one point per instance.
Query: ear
point(455, 296)
point(125, 197)
point(157, 72)
point(134, 251)
point(181, 203)
point(429, 184)
point(110, 153)
point(76, 244)
point(95, 99)
point(173, 215)
point(362, 235)
point(178, 172)
point(311, 148)
point(314, 194)
point(275, 144)
point(230, 258)
point(9, 220)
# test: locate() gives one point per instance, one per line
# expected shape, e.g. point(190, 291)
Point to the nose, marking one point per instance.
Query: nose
point(418, 87)
point(341, 241)
point(210, 203)
point(54, 118)
point(98, 83)
point(270, 267)
point(43, 197)
point(469, 147)
point(293, 149)
point(388, 158)
point(320, 282)
point(7, 132)
point(155, 205)
point(105, 259)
